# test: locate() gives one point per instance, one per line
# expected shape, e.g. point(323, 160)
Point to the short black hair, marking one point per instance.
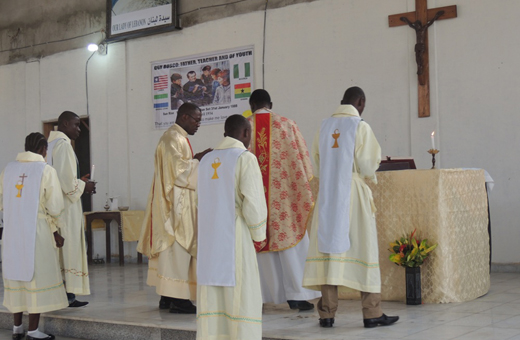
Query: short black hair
point(260, 97)
point(206, 68)
point(34, 142)
point(352, 94)
point(186, 109)
point(66, 116)
point(234, 125)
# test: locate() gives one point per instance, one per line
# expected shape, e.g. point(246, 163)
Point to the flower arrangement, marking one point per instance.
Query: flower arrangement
point(410, 252)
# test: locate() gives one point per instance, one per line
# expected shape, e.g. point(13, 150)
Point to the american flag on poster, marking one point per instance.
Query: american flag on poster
point(160, 82)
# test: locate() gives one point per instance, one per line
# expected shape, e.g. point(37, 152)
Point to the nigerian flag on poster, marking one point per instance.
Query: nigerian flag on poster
point(242, 70)
point(242, 90)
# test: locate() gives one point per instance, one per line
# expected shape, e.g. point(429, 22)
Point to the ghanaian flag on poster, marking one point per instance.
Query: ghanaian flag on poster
point(242, 90)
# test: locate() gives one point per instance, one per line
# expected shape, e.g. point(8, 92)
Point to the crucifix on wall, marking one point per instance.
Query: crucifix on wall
point(420, 20)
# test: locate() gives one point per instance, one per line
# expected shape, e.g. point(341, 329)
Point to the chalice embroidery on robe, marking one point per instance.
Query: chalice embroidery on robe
point(336, 135)
point(19, 185)
point(215, 165)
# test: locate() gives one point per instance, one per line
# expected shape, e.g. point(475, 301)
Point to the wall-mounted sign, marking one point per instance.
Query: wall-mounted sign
point(134, 18)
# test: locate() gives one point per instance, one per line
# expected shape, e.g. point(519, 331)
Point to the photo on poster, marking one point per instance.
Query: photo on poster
point(202, 85)
point(220, 83)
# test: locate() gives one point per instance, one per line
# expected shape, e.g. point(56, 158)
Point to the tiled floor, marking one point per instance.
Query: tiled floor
point(120, 295)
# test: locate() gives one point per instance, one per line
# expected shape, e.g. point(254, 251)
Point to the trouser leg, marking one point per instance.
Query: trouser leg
point(328, 304)
point(371, 303)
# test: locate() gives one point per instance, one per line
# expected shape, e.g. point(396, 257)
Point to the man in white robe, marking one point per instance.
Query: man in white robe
point(30, 196)
point(73, 255)
point(169, 232)
point(343, 250)
point(232, 215)
point(286, 172)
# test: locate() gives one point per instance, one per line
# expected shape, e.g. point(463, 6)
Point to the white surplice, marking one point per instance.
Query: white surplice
point(216, 264)
point(22, 181)
point(45, 291)
point(358, 267)
point(73, 254)
point(336, 147)
point(235, 313)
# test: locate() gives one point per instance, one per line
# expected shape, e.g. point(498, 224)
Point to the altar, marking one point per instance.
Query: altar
point(448, 207)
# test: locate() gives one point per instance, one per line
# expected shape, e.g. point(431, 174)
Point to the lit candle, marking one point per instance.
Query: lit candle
point(433, 140)
point(94, 168)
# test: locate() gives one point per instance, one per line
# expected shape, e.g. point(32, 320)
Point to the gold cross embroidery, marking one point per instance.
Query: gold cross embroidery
point(215, 165)
point(336, 135)
point(19, 185)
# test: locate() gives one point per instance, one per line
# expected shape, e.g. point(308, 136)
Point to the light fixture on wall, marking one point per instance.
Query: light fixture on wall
point(92, 47)
point(101, 48)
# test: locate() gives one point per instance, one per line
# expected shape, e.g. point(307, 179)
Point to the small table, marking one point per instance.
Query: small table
point(107, 217)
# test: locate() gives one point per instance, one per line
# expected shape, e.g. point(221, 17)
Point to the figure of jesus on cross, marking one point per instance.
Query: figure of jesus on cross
point(422, 18)
point(420, 46)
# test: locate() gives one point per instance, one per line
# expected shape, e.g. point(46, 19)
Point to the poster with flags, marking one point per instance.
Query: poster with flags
point(220, 83)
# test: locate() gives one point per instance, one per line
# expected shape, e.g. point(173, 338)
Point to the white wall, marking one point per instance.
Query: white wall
point(314, 51)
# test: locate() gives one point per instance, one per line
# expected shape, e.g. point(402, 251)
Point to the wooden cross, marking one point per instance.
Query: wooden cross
point(420, 20)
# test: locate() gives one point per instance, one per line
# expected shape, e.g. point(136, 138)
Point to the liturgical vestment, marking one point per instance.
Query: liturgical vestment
point(358, 267)
point(45, 292)
point(235, 312)
point(73, 254)
point(169, 232)
point(286, 172)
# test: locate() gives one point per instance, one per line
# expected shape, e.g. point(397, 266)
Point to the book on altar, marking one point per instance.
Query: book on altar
point(397, 163)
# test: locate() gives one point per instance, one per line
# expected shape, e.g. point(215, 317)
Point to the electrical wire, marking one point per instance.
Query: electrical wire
point(263, 48)
point(52, 42)
point(86, 79)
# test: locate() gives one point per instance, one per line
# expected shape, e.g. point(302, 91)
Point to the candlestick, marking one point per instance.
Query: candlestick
point(433, 152)
point(433, 140)
point(92, 172)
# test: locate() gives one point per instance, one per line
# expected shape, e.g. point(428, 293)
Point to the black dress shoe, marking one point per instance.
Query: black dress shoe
point(49, 337)
point(326, 323)
point(182, 306)
point(77, 303)
point(18, 336)
point(300, 304)
point(383, 321)
point(165, 302)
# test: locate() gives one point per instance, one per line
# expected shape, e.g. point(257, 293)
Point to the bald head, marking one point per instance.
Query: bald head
point(356, 97)
point(238, 127)
point(259, 99)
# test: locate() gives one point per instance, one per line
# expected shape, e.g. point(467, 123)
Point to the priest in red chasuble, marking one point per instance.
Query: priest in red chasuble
point(286, 172)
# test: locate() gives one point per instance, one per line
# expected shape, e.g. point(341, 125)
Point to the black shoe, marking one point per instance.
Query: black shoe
point(383, 321)
point(18, 336)
point(165, 302)
point(182, 306)
point(326, 323)
point(300, 304)
point(49, 337)
point(77, 303)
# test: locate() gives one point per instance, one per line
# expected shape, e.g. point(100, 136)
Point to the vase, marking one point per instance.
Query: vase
point(413, 286)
